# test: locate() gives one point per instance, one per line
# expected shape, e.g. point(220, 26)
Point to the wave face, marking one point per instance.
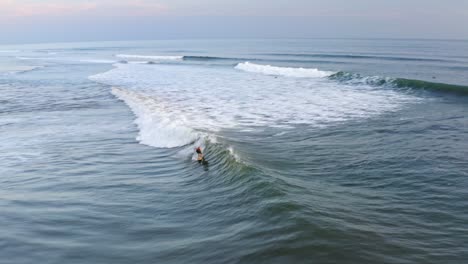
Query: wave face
point(282, 71)
point(173, 103)
point(444, 87)
point(357, 79)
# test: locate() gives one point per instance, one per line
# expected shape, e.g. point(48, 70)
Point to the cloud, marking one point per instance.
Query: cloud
point(29, 8)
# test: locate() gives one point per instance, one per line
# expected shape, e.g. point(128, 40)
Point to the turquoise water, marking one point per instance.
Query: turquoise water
point(320, 151)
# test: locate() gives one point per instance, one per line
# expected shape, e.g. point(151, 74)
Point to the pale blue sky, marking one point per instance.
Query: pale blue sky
point(26, 21)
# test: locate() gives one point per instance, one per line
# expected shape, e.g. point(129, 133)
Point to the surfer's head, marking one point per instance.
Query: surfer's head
point(198, 150)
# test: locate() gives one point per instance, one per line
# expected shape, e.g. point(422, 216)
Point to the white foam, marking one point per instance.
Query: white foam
point(28, 58)
point(150, 57)
point(233, 154)
point(98, 61)
point(158, 128)
point(9, 51)
point(176, 104)
point(70, 59)
point(282, 71)
point(138, 62)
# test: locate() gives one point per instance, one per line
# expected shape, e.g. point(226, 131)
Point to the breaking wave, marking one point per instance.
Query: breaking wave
point(179, 101)
point(161, 127)
point(157, 127)
point(282, 71)
point(98, 61)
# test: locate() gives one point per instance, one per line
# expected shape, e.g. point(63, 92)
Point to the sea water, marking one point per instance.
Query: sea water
point(319, 151)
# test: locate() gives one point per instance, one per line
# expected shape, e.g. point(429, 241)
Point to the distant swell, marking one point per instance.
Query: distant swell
point(354, 78)
point(191, 58)
point(150, 57)
point(353, 56)
point(282, 71)
point(207, 58)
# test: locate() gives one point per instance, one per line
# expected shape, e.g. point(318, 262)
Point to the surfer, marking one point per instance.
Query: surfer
point(200, 157)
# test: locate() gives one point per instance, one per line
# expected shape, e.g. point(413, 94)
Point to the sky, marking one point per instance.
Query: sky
point(33, 21)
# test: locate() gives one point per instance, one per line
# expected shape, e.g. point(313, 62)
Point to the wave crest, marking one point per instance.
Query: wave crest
point(282, 71)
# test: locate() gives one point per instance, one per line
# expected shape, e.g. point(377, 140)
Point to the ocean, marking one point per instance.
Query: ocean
point(318, 150)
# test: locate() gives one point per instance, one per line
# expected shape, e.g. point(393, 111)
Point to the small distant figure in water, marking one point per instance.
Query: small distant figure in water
point(200, 158)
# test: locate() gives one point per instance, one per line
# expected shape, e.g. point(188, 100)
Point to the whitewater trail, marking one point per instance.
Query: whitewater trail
point(177, 105)
point(161, 128)
point(157, 127)
point(283, 71)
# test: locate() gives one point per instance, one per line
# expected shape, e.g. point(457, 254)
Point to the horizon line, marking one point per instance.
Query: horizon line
point(240, 38)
